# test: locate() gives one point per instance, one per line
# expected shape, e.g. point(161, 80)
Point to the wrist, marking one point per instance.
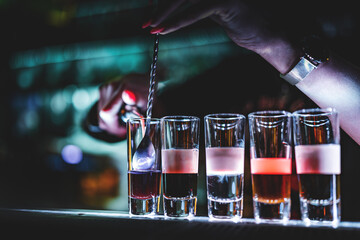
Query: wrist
point(313, 55)
point(280, 53)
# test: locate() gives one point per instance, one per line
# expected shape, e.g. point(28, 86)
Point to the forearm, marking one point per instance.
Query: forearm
point(336, 83)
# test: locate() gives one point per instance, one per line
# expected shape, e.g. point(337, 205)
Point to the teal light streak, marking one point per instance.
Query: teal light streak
point(104, 49)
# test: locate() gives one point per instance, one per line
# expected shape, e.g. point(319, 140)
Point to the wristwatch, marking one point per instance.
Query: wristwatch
point(314, 54)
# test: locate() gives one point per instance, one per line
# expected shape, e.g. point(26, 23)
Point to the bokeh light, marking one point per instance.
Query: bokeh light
point(72, 154)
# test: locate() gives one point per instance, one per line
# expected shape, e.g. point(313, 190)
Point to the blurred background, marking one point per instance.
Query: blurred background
point(54, 55)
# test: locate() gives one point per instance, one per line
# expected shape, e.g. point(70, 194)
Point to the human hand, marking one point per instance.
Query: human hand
point(120, 98)
point(244, 24)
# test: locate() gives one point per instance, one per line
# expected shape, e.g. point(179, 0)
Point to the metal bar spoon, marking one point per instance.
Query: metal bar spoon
point(144, 156)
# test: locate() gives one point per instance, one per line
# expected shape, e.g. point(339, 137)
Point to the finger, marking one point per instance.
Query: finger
point(105, 91)
point(188, 17)
point(114, 100)
point(109, 114)
point(164, 13)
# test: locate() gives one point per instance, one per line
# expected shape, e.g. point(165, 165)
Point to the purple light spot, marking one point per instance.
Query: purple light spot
point(72, 154)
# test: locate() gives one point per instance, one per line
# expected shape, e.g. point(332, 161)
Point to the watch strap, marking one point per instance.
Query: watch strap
point(300, 71)
point(314, 54)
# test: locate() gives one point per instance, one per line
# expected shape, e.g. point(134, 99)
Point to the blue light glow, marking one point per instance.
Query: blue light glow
point(72, 154)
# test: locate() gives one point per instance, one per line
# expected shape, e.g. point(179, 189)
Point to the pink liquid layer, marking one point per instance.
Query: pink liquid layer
point(273, 166)
point(318, 159)
point(180, 160)
point(224, 160)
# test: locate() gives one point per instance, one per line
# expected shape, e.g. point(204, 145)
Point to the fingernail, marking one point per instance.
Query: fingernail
point(146, 24)
point(157, 30)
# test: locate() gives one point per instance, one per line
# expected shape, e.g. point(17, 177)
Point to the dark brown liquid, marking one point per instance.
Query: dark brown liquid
point(319, 186)
point(180, 185)
point(271, 188)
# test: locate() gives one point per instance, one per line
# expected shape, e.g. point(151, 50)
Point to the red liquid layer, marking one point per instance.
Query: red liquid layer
point(144, 184)
point(273, 166)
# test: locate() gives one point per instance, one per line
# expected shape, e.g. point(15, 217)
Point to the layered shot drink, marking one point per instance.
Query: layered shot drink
point(318, 164)
point(270, 164)
point(144, 174)
point(180, 158)
point(224, 141)
point(271, 185)
point(180, 172)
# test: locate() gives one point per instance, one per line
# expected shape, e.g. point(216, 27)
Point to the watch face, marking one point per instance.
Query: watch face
point(314, 48)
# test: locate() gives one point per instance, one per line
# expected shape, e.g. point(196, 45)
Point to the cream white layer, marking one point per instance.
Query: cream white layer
point(318, 159)
point(180, 160)
point(224, 160)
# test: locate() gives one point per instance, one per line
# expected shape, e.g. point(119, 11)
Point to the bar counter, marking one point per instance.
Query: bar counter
point(89, 223)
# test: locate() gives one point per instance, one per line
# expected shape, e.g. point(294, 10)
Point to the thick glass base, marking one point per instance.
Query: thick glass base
point(180, 207)
point(278, 211)
point(225, 208)
point(320, 211)
point(143, 206)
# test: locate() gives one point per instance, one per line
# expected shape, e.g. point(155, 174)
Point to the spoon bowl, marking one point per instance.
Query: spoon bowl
point(144, 156)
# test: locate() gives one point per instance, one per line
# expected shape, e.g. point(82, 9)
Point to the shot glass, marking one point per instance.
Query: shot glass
point(270, 163)
point(180, 160)
point(318, 164)
point(144, 176)
point(224, 142)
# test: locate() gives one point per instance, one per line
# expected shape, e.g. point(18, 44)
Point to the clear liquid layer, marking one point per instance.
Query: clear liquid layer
point(225, 195)
point(225, 186)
